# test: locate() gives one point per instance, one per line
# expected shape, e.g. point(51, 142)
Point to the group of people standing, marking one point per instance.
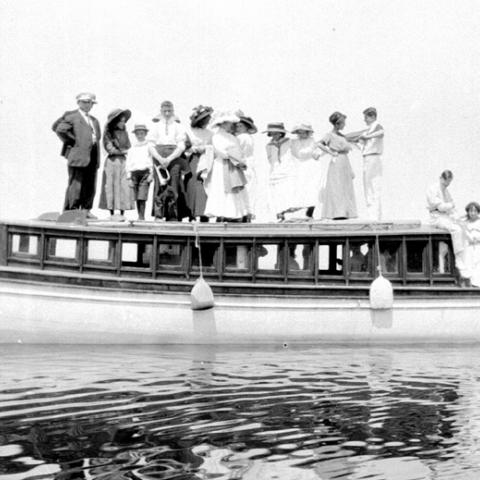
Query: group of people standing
point(208, 169)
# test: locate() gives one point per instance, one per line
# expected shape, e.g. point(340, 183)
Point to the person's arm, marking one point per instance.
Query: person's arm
point(323, 145)
point(64, 130)
point(180, 140)
point(111, 145)
point(378, 132)
point(435, 201)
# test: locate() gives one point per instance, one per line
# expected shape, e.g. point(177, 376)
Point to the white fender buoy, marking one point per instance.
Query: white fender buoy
point(381, 294)
point(201, 295)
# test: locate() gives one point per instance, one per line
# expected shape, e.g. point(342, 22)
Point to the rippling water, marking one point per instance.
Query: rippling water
point(161, 412)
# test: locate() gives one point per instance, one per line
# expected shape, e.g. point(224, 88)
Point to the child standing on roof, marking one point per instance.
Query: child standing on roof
point(140, 168)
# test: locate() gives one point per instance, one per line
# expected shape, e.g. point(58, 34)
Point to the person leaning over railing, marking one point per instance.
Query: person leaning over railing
point(443, 215)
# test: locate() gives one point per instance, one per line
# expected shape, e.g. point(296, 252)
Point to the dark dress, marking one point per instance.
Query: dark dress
point(116, 193)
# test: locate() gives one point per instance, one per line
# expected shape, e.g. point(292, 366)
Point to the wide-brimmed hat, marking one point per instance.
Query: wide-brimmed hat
point(139, 126)
point(251, 128)
point(200, 113)
point(277, 127)
point(116, 114)
point(302, 127)
point(86, 97)
point(225, 117)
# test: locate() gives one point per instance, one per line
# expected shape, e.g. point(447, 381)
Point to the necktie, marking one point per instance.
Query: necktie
point(90, 123)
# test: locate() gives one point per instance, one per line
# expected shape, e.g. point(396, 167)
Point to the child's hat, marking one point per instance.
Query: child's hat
point(139, 126)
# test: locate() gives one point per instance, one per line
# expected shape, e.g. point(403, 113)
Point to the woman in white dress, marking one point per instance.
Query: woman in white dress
point(225, 184)
point(468, 262)
point(244, 130)
point(282, 171)
point(309, 175)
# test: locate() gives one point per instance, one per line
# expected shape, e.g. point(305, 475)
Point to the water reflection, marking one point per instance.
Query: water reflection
point(203, 412)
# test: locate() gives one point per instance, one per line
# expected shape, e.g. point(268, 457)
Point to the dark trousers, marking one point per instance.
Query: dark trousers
point(177, 169)
point(82, 182)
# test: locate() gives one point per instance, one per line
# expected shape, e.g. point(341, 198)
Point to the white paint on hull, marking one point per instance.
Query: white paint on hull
point(38, 313)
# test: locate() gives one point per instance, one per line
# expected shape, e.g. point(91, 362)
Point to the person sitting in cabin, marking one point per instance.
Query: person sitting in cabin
point(469, 261)
point(443, 215)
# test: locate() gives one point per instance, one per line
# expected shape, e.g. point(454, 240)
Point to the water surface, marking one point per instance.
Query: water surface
point(286, 412)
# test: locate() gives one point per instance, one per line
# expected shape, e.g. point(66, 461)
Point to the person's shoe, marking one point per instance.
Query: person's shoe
point(91, 216)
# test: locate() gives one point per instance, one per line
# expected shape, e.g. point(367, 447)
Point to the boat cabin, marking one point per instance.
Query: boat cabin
point(334, 258)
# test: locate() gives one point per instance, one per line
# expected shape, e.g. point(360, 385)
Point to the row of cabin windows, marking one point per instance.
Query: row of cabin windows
point(293, 258)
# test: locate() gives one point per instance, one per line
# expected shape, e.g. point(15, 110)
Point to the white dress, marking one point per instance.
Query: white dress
point(233, 204)
point(309, 173)
point(468, 262)
point(247, 145)
point(282, 177)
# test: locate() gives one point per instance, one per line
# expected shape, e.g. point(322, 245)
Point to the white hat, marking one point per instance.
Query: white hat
point(86, 97)
point(221, 117)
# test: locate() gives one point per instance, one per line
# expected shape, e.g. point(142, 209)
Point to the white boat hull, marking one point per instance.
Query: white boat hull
point(40, 313)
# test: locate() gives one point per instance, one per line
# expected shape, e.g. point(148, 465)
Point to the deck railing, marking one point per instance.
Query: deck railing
point(296, 257)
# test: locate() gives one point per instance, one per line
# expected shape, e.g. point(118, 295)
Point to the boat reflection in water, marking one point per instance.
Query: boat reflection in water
point(198, 412)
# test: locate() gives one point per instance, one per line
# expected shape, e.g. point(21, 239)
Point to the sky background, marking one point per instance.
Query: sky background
point(277, 60)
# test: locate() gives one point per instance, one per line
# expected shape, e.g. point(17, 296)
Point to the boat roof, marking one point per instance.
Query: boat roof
point(340, 228)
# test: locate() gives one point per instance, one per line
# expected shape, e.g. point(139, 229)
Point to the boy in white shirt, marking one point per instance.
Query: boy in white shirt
point(139, 167)
point(372, 150)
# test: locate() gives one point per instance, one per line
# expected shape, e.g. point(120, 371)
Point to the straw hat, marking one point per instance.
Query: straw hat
point(302, 127)
point(277, 127)
point(251, 128)
point(139, 126)
point(224, 117)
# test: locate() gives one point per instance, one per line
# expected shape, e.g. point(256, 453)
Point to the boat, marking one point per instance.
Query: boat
point(103, 282)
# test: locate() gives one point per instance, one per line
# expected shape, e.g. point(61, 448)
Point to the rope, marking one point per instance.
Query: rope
point(377, 245)
point(197, 244)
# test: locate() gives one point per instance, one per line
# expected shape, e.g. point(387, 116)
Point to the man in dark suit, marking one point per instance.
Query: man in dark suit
point(80, 134)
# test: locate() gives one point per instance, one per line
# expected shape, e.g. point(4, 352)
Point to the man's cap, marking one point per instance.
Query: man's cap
point(86, 97)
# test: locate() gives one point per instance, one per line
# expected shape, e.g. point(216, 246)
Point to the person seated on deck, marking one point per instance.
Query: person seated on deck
point(469, 261)
point(443, 215)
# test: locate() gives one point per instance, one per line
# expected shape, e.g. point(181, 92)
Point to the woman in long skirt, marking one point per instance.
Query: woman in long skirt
point(309, 174)
point(281, 179)
point(339, 195)
point(200, 141)
point(244, 130)
point(226, 194)
point(116, 193)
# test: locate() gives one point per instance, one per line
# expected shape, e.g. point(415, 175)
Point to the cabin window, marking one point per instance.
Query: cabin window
point(238, 257)
point(170, 254)
point(416, 256)
point(330, 258)
point(300, 258)
point(24, 245)
point(442, 257)
point(360, 257)
point(136, 254)
point(100, 251)
point(209, 256)
point(267, 256)
point(390, 256)
point(61, 248)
